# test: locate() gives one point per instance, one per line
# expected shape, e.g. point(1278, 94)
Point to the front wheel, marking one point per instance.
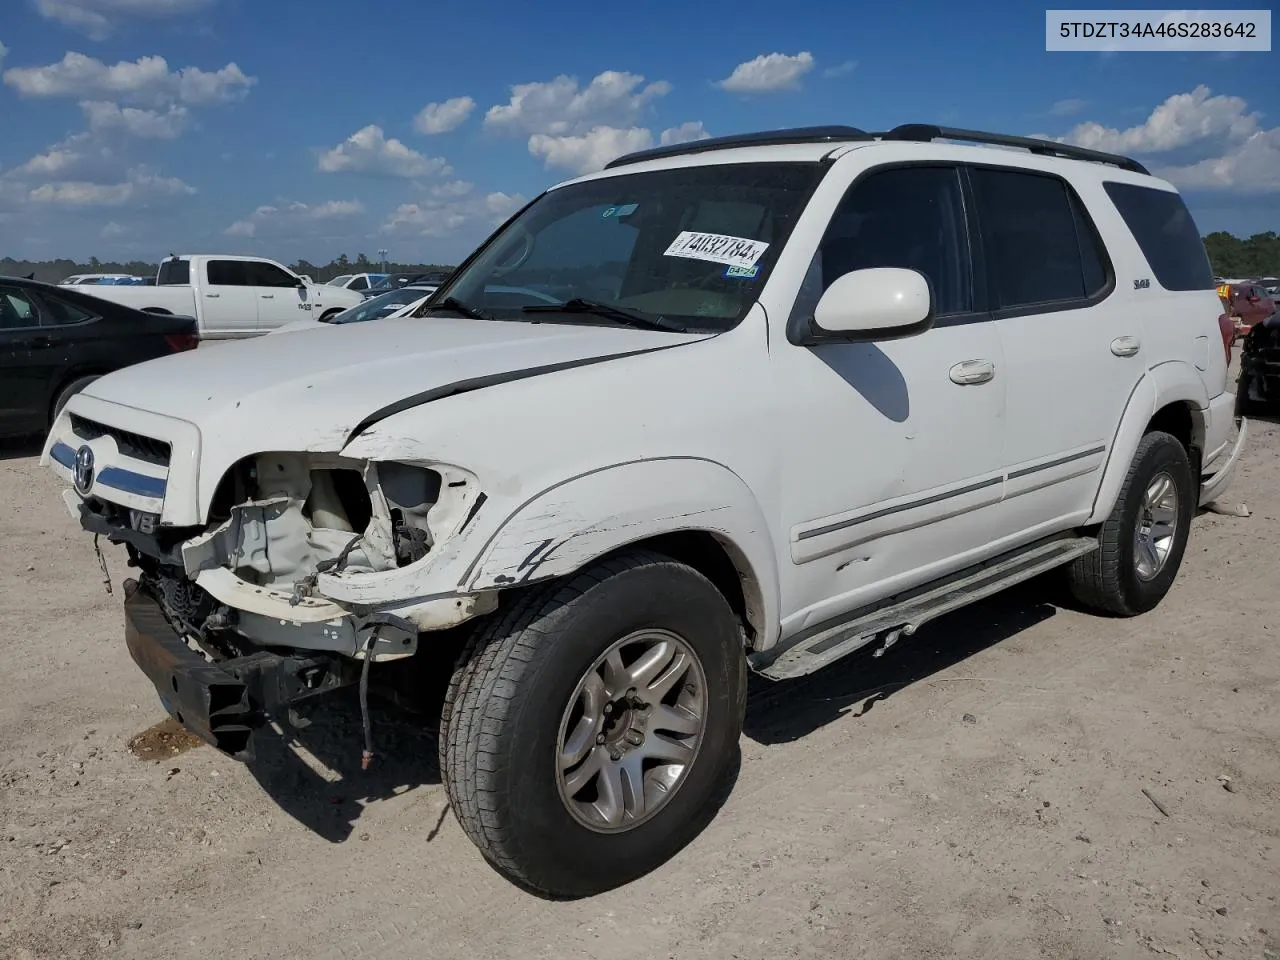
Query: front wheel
point(1140, 545)
point(588, 734)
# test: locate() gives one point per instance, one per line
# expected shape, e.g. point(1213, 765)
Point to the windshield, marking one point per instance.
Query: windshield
point(340, 281)
point(381, 305)
point(692, 245)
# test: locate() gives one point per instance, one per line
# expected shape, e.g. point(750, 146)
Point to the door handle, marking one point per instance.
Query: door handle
point(39, 343)
point(213, 295)
point(1125, 346)
point(972, 371)
point(268, 296)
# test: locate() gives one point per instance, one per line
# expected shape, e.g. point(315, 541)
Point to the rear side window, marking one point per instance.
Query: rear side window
point(1039, 245)
point(174, 273)
point(228, 273)
point(1166, 234)
point(62, 313)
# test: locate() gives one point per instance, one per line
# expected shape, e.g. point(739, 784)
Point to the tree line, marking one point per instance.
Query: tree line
point(1231, 256)
point(54, 271)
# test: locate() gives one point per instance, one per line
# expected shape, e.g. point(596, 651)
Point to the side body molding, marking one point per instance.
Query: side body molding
point(582, 518)
point(1165, 383)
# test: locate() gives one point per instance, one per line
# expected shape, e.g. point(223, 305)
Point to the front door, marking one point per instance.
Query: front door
point(26, 355)
point(280, 300)
point(892, 469)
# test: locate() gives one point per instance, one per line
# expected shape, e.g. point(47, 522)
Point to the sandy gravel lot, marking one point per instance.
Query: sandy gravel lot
point(977, 793)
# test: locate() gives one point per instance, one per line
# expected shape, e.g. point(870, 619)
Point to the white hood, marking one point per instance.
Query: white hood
point(309, 391)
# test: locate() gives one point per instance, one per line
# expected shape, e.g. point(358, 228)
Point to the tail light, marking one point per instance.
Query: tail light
point(178, 342)
point(1227, 328)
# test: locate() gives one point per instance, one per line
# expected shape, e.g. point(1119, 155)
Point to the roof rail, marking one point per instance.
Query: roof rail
point(826, 134)
point(929, 131)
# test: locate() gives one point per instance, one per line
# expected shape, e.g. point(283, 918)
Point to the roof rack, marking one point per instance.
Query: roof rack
point(768, 138)
point(927, 131)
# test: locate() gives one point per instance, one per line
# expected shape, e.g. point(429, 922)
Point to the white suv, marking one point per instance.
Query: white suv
point(793, 394)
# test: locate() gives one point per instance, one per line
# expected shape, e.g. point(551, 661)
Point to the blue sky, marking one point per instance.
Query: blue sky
point(304, 128)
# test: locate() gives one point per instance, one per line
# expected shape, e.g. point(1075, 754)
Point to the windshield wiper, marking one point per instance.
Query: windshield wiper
point(633, 318)
point(456, 306)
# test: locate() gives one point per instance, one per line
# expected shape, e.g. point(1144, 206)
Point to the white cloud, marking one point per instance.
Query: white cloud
point(98, 18)
point(140, 187)
point(4, 52)
point(560, 108)
point(145, 124)
point(111, 230)
point(147, 79)
point(840, 69)
point(768, 73)
point(59, 159)
point(443, 117)
point(454, 188)
point(369, 151)
point(294, 218)
point(685, 133)
point(1183, 119)
point(1068, 107)
point(590, 151)
point(1252, 166)
point(439, 218)
point(1211, 142)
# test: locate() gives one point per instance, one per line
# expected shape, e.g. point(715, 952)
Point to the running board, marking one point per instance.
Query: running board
point(905, 616)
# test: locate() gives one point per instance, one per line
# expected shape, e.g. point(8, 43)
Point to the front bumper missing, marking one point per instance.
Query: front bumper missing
point(223, 703)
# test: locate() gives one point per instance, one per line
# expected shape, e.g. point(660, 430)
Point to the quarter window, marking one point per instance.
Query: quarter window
point(62, 313)
point(1161, 223)
point(1037, 240)
point(910, 217)
point(17, 310)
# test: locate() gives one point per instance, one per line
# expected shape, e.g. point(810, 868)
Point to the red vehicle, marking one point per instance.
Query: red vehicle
point(1247, 304)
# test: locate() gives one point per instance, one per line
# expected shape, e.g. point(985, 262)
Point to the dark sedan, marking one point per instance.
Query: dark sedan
point(55, 340)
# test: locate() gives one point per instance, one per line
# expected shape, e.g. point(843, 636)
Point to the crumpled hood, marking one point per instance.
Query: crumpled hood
point(309, 390)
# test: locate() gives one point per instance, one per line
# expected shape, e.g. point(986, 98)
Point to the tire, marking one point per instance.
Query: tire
point(69, 391)
point(509, 708)
point(1118, 577)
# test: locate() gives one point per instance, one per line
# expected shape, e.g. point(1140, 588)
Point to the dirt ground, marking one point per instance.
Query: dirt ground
point(988, 789)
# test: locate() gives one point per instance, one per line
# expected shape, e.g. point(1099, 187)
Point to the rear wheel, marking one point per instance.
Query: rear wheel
point(588, 734)
point(1140, 546)
point(69, 391)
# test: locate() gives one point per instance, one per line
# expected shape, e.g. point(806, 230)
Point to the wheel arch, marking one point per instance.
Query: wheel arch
point(693, 510)
point(1171, 398)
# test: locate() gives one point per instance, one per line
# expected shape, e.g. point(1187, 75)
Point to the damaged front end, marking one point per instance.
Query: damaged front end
point(1259, 384)
point(231, 620)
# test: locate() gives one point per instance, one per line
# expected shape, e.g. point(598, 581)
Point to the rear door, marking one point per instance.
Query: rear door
point(280, 300)
point(1073, 348)
point(24, 358)
point(229, 302)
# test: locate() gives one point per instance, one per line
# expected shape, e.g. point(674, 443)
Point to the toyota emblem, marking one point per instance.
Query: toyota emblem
point(84, 469)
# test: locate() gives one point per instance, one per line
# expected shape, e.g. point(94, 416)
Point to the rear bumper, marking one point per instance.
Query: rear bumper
point(222, 703)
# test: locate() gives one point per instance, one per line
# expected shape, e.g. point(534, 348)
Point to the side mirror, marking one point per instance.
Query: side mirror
point(878, 303)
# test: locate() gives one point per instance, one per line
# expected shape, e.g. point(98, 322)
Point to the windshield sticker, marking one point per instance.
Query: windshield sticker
point(623, 211)
point(742, 273)
point(717, 248)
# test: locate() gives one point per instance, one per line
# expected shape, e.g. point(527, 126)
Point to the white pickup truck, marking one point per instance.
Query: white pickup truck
point(232, 296)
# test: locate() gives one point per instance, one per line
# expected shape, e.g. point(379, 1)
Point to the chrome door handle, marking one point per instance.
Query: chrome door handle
point(972, 371)
point(1125, 346)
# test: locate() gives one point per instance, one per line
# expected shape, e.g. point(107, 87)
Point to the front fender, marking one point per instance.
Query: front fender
point(1163, 384)
point(567, 526)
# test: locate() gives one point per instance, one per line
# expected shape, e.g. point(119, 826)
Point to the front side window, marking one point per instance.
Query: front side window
point(1032, 226)
point(687, 248)
point(911, 217)
point(360, 283)
point(17, 310)
point(268, 275)
point(339, 281)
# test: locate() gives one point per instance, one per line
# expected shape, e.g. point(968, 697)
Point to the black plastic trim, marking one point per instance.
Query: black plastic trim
point(927, 132)
point(1060, 461)
point(900, 508)
point(766, 138)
